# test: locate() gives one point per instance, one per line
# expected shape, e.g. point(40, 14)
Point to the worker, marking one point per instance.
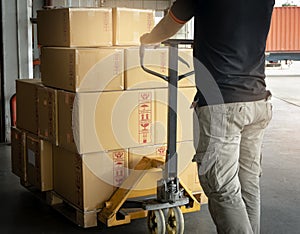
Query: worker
point(232, 102)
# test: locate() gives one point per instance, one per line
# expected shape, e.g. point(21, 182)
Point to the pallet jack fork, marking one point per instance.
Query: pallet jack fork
point(172, 196)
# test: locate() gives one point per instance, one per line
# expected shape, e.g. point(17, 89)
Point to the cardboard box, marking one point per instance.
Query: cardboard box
point(187, 170)
point(190, 177)
point(183, 68)
point(75, 27)
point(47, 114)
point(27, 113)
point(136, 77)
point(88, 180)
point(83, 69)
point(156, 60)
point(93, 122)
point(184, 115)
point(18, 159)
point(39, 163)
point(130, 24)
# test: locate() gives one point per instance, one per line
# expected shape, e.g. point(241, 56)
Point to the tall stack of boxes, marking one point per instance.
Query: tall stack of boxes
point(95, 113)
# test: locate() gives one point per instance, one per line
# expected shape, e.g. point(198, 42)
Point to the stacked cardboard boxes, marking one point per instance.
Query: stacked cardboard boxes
point(95, 113)
point(31, 155)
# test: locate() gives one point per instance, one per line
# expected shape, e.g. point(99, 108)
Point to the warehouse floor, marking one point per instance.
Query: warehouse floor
point(21, 212)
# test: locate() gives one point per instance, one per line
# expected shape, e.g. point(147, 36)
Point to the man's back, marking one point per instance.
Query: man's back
point(230, 39)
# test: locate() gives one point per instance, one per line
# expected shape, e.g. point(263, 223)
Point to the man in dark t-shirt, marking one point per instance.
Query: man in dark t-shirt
point(232, 103)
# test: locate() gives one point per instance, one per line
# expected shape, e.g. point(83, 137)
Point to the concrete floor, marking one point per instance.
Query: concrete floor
point(21, 212)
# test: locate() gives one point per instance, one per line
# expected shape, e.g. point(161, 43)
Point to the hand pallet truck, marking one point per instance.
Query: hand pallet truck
point(172, 196)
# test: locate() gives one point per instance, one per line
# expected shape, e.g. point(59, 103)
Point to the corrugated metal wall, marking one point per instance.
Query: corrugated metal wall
point(284, 33)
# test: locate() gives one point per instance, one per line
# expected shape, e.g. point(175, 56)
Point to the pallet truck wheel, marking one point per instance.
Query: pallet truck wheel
point(175, 221)
point(156, 222)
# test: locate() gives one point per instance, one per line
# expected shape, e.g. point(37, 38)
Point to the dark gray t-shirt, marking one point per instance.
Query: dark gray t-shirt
point(229, 40)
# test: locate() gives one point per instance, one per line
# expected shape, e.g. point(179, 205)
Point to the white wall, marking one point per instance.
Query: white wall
point(280, 2)
point(17, 49)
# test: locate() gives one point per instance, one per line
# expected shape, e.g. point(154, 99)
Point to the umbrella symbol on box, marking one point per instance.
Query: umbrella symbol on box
point(119, 164)
point(144, 107)
point(145, 96)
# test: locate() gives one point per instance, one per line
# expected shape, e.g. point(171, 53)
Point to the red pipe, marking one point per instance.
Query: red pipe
point(13, 110)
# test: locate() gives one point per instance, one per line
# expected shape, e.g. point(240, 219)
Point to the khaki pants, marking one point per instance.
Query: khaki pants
point(229, 162)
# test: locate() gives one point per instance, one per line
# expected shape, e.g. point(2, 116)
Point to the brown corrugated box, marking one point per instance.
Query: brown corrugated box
point(130, 24)
point(190, 177)
point(18, 157)
point(27, 113)
point(39, 163)
point(184, 115)
point(47, 114)
point(136, 77)
point(75, 27)
point(83, 69)
point(156, 60)
point(88, 180)
point(105, 120)
point(187, 170)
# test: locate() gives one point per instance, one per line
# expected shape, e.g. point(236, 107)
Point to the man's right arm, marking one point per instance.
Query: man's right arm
point(180, 12)
point(165, 29)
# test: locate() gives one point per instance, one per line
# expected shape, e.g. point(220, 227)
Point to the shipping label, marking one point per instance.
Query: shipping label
point(65, 26)
point(106, 25)
point(145, 117)
point(71, 70)
point(49, 131)
point(31, 157)
point(117, 63)
point(149, 21)
point(163, 59)
point(78, 180)
point(120, 170)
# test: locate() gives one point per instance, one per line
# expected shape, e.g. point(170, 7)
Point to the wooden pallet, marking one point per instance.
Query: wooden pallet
point(81, 218)
point(88, 219)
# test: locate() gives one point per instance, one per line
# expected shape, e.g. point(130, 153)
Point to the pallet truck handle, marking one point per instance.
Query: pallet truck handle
point(180, 59)
point(142, 55)
point(168, 188)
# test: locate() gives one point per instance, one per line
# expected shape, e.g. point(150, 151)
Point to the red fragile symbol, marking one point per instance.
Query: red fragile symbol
point(118, 181)
point(119, 154)
point(145, 96)
point(144, 125)
point(161, 150)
